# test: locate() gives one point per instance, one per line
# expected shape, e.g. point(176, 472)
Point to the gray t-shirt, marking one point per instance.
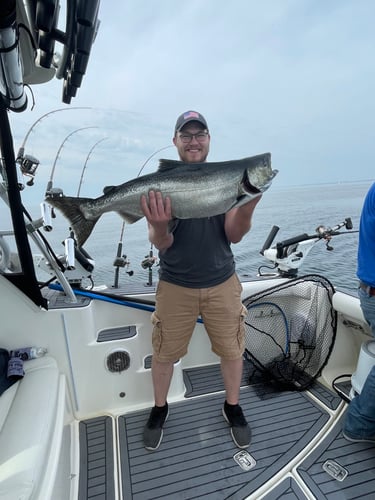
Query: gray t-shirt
point(200, 256)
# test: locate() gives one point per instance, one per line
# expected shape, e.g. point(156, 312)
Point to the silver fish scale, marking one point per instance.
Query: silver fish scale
point(196, 190)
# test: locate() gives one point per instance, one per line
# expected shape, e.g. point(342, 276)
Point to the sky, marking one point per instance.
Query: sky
point(295, 78)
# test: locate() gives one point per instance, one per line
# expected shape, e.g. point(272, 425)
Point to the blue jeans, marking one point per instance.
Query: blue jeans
point(360, 417)
point(368, 307)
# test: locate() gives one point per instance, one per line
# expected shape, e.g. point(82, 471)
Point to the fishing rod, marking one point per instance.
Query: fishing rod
point(147, 263)
point(72, 254)
point(49, 190)
point(288, 255)
point(28, 164)
point(87, 159)
point(46, 208)
point(121, 260)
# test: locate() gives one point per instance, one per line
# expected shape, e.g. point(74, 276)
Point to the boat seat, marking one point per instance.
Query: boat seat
point(27, 419)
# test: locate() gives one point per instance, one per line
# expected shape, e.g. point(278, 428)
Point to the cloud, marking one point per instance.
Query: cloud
point(294, 78)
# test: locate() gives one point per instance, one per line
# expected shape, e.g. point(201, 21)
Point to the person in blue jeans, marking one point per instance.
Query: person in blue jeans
point(359, 424)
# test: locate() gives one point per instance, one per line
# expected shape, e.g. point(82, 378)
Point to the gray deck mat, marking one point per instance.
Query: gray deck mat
point(357, 459)
point(207, 379)
point(96, 474)
point(344, 389)
point(195, 458)
point(288, 489)
point(329, 398)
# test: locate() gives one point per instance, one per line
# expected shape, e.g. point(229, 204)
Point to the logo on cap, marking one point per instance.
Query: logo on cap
point(191, 114)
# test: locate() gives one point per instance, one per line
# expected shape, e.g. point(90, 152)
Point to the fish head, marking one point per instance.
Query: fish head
point(258, 174)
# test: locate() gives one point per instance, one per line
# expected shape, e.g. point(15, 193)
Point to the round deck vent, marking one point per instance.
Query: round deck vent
point(118, 361)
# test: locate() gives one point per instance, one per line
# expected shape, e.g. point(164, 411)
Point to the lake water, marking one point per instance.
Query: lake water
point(295, 210)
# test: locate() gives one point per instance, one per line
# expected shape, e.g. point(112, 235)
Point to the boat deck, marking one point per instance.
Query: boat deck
point(289, 456)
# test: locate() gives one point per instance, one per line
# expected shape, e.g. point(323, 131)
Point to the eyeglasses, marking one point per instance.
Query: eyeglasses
point(200, 137)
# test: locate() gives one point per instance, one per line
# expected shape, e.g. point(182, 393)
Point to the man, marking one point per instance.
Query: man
point(359, 424)
point(197, 277)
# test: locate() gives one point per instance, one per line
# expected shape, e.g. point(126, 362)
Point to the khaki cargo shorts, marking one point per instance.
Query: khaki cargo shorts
point(176, 313)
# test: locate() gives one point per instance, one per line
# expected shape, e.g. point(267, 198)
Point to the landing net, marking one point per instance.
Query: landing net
point(290, 332)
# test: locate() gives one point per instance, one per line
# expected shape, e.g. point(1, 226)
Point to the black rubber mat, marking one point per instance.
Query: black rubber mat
point(96, 474)
point(196, 456)
point(339, 469)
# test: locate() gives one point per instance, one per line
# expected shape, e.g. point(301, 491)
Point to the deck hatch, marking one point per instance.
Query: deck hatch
point(118, 333)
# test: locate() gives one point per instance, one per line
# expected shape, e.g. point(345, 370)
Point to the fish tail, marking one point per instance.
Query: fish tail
point(71, 208)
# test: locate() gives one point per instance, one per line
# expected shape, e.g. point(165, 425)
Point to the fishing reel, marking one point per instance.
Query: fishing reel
point(288, 255)
point(148, 261)
point(120, 261)
point(123, 261)
point(28, 165)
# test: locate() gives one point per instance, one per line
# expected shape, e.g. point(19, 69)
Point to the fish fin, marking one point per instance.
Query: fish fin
point(108, 189)
point(71, 208)
point(129, 217)
point(168, 164)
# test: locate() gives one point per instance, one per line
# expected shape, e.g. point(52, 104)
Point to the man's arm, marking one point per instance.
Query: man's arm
point(238, 220)
point(158, 213)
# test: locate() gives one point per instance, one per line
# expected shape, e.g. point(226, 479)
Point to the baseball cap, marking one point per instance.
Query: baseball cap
point(189, 116)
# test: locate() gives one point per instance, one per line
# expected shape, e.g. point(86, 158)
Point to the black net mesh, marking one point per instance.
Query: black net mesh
point(290, 331)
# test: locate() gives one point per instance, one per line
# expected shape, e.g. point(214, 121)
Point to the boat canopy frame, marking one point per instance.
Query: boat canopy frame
point(26, 279)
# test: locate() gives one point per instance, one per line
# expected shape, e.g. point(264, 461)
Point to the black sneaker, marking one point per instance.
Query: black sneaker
point(240, 430)
point(153, 431)
point(353, 439)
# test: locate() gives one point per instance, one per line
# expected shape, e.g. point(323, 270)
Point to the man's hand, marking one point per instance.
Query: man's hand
point(156, 209)
point(158, 212)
